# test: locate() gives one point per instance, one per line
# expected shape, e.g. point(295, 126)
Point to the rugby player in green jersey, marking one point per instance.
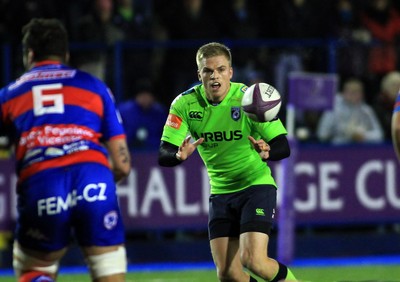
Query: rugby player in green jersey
point(235, 150)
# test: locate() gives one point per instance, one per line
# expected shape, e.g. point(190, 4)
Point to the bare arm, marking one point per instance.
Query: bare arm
point(120, 158)
point(396, 133)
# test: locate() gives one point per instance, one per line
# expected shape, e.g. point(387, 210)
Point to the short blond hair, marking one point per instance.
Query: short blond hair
point(211, 50)
point(391, 83)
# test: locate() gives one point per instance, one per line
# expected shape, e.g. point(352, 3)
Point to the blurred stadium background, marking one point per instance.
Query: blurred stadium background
point(339, 201)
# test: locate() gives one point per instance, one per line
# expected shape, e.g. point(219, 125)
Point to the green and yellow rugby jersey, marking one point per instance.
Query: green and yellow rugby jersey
point(231, 161)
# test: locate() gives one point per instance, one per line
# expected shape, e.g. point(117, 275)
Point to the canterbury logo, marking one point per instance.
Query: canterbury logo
point(195, 115)
point(260, 212)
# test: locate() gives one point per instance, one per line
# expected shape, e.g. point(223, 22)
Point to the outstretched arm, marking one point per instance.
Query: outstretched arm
point(172, 155)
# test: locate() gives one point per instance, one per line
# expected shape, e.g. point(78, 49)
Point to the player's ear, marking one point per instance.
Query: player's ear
point(31, 56)
point(67, 56)
point(198, 75)
point(28, 58)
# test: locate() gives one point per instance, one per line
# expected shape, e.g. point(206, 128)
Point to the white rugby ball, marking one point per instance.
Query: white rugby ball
point(261, 102)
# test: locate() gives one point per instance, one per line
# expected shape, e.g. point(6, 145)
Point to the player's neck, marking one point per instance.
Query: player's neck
point(214, 103)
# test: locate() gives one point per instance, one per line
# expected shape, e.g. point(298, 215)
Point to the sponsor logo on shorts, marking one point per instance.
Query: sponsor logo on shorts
point(110, 220)
point(36, 234)
point(260, 212)
point(57, 204)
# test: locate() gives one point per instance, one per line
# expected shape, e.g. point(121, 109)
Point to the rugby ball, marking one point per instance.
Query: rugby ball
point(261, 102)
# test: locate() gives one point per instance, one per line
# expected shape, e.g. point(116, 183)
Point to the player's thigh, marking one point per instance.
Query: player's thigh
point(97, 218)
point(44, 210)
point(96, 250)
point(258, 209)
point(225, 253)
point(26, 260)
point(45, 256)
point(222, 219)
point(254, 245)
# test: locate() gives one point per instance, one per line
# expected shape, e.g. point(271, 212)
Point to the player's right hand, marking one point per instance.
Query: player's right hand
point(187, 148)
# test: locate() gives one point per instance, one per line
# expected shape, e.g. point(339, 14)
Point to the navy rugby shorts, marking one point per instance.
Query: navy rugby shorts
point(249, 210)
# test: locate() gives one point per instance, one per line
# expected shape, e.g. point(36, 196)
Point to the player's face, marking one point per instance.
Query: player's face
point(215, 73)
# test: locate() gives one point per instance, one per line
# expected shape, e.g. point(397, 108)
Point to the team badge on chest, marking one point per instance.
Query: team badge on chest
point(235, 113)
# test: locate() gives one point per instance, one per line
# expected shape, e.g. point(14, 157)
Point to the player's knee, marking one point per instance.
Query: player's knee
point(251, 261)
point(24, 263)
point(226, 273)
point(107, 264)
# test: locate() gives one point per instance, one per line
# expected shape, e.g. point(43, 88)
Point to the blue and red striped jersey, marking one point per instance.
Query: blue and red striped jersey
point(59, 116)
point(396, 106)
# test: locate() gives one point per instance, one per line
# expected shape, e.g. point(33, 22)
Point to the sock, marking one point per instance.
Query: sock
point(35, 276)
point(283, 273)
point(290, 275)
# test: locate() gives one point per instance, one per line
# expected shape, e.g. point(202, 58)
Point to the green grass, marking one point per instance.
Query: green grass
point(315, 274)
point(350, 273)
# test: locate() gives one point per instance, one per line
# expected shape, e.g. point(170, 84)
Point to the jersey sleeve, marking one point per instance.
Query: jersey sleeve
point(176, 127)
point(270, 130)
point(396, 107)
point(112, 122)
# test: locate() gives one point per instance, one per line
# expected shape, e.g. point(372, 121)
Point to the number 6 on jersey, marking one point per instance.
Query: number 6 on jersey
point(47, 103)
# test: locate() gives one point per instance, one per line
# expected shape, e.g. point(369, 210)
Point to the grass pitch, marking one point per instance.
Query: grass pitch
point(365, 273)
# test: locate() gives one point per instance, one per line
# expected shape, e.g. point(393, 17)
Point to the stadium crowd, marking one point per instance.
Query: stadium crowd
point(365, 32)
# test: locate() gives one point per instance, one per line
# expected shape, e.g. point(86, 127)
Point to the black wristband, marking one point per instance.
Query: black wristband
point(167, 155)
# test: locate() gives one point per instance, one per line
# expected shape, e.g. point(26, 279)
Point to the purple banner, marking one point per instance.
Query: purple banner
point(155, 197)
point(332, 185)
point(347, 184)
point(312, 91)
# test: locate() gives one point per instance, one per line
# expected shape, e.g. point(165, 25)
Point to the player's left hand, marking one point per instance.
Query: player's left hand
point(261, 147)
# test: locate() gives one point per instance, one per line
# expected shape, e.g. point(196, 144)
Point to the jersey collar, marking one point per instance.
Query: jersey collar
point(46, 62)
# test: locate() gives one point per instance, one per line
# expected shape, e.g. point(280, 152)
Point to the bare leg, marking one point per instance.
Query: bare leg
point(254, 255)
point(27, 260)
point(225, 252)
point(98, 257)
